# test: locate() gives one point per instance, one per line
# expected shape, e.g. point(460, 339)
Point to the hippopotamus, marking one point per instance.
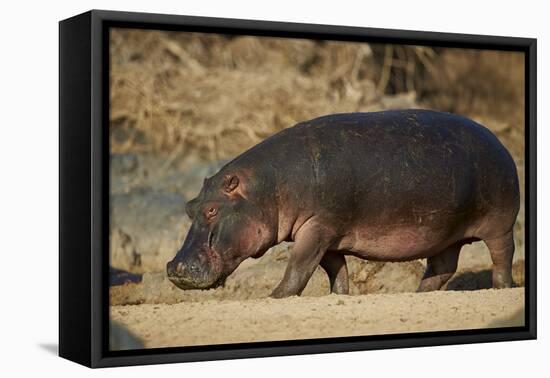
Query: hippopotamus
point(388, 186)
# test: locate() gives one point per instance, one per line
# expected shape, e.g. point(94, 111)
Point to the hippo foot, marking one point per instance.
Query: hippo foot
point(433, 283)
point(279, 293)
point(502, 254)
point(288, 288)
point(440, 268)
point(502, 279)
point(335, 266)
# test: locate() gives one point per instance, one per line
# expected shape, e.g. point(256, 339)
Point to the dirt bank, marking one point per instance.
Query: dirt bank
point(218, 322)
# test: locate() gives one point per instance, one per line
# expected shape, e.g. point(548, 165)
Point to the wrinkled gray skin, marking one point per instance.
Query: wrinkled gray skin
point(386, 186)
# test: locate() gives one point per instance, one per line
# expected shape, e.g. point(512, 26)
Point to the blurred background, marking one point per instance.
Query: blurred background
point(188, 94)
point(182, 104)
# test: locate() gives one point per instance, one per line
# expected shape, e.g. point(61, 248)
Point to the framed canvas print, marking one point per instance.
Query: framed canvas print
point(234, 188)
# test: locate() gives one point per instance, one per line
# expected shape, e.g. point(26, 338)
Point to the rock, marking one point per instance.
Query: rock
point(123, 163)
point(148, 219)
point(163, 173)
point(368, 277)
point(192, 176)
point(147, 229)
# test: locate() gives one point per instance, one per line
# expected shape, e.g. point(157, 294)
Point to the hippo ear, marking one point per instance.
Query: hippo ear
point(230, 183)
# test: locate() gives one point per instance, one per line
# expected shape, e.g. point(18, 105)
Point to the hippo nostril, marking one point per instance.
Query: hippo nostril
point(174, 269)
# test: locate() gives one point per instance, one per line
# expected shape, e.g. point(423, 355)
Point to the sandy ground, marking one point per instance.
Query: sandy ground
point(218, 322)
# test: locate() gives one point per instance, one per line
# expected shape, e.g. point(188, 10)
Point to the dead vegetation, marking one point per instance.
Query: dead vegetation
point(192, 93)
point(215, 95)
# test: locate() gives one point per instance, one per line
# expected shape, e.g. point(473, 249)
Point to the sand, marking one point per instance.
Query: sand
point(219, 322)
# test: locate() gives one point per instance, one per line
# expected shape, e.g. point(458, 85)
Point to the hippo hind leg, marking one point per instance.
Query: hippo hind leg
point(502, 254)
point(334, 264)
point(441, 268)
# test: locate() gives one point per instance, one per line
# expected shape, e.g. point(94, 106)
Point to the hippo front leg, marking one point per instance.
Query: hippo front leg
point(309, 248)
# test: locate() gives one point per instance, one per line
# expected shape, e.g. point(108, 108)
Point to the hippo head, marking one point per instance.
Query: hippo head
point(227, 228)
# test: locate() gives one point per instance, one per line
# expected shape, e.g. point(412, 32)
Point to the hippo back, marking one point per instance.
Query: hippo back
point(387, 165)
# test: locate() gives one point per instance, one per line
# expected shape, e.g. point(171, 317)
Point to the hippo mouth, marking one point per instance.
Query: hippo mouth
point(196, 271)
point(187, 284)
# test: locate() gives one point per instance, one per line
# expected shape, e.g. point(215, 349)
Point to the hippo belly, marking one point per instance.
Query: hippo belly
point(400, 243)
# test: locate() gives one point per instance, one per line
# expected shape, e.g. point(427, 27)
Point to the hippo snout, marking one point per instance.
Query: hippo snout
point(174, 268)
point(183, 283)
point(178, 275)
point(193, 273)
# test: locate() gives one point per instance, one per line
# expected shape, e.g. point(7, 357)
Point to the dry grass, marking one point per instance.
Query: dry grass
point(216, 95)
point(213, 96)
point(486, 85)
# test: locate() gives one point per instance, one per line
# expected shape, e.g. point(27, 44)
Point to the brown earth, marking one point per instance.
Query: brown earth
point(219, 322)
point(255, 279)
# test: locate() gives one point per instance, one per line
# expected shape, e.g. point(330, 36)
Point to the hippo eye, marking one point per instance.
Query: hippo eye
point(211, 212)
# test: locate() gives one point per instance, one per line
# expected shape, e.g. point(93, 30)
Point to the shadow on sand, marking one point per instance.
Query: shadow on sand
point(471, 281)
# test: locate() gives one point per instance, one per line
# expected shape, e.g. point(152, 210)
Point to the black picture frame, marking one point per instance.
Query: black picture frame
point(84, 188)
